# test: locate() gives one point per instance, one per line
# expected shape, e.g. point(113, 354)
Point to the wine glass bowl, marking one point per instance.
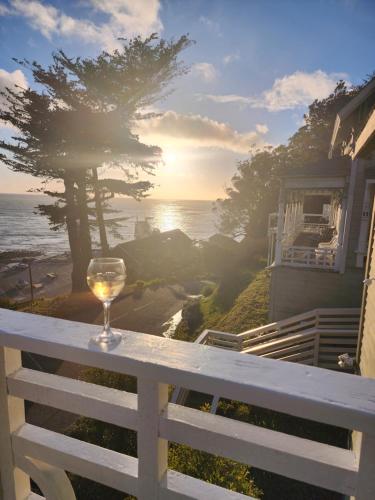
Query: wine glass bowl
point(106, 278)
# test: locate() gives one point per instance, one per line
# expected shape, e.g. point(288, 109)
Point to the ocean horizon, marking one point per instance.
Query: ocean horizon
point(22, 228)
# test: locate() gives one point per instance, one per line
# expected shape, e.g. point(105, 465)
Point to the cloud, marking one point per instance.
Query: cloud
point(4, 10)
point(262, 128)
point(206, 71)
point(225, 99)
point(292, 91)
point(197, 131)
point(211, 25)
point(230, 58)
point(298, 89)
point(10, 80)
point(124, 18)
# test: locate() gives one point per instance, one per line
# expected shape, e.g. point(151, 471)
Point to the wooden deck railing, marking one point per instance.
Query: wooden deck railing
point(325, 396)
point(320, 258)
point(315, 337)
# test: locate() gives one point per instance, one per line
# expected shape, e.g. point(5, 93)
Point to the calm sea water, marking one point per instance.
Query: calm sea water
point(21, 228)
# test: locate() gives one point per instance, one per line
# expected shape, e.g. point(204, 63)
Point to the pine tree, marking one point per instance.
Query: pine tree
point(81, 123)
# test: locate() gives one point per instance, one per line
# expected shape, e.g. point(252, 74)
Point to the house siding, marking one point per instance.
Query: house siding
point(366, 354)
point(297, 290)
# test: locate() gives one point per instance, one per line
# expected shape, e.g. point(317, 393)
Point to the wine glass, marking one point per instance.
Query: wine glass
point(106, 278)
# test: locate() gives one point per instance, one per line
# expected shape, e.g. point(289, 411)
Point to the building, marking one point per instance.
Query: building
point(318, 238)
point(363, 148)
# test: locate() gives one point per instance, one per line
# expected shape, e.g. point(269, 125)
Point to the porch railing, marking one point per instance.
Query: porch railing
point(301, 256)
point(315, 337)
point(338, 399)
point(298, 256)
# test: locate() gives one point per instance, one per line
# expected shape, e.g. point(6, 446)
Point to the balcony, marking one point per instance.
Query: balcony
point(304, 391)
point(300, 246)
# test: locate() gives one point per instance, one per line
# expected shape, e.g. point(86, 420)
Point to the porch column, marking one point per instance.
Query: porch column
point(364, 227)
point(280, 228)
point(343, 239)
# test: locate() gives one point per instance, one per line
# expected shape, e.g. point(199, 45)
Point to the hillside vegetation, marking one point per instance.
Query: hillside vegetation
point(250, 308)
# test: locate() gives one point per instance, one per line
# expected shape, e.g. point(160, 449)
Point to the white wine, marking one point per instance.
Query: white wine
point(106, 278)
point(106, 286)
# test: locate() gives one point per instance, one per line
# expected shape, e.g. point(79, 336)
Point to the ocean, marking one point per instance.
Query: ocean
point(21, 228)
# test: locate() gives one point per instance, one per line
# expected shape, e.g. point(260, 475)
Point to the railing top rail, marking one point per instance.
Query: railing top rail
point(299, 390)
point(312, 249)
point(352, 311)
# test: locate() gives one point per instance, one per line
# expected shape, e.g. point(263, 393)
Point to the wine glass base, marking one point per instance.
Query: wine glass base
point(109, 340)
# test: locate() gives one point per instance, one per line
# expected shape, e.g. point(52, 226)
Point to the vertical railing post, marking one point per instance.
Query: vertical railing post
point(280, 229)
point(316, 340)
point(152, 451)
point(366, 472)
point(14, 484)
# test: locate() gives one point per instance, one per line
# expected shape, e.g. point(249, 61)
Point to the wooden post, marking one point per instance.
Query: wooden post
point(345, 227)
point(31, 284)
point(280, 229)
point(366, 472)
point(152, 451)
point(14, 484)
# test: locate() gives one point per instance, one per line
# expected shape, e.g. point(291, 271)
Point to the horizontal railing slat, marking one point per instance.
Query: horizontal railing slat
point(82, 398)
point(315, 463)
point(108, 467)
point(84, 459)
point(181, 487)
point(287, 350)
point(278, 343)
point(290, 388)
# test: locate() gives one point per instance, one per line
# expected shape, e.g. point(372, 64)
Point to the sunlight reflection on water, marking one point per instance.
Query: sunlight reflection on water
point(22, 228)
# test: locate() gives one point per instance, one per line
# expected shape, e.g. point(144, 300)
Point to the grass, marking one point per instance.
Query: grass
point(249, 310)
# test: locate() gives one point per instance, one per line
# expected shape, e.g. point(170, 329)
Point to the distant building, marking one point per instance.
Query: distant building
point(142, 229)
point(160, 255)
point(318, 238)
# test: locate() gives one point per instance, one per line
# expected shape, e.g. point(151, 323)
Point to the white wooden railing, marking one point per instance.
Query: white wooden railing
point(322, 257)
point(325, 396)
point(298, 256)
point(314, 227)
point(315, 337)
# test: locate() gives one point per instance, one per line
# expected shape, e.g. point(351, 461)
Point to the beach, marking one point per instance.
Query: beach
point(50, 275)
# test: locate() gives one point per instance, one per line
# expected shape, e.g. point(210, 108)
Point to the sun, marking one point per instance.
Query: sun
point(170, 157)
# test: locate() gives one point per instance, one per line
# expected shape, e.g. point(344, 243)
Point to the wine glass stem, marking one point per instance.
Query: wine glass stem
point(107, 328)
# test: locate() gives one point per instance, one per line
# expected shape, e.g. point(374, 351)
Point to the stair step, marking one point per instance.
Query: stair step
point(273, 344)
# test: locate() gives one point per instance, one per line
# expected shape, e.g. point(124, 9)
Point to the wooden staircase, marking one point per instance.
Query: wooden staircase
point(315, 338)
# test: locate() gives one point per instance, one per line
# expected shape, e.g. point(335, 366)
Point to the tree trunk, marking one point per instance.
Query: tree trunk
point(84, 230)
point(72, 227)
point(99, 214)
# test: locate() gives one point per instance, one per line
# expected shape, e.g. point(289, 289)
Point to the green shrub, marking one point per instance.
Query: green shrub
point(207, 290)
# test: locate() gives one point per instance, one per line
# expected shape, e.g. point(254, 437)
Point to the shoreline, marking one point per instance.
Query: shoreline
point(50, 274)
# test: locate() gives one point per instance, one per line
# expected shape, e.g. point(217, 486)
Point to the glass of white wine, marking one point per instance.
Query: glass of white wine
point(106, 278)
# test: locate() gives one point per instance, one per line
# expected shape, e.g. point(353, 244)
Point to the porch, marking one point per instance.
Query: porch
point(304, 391)
point(307, 239)
point(309, 228)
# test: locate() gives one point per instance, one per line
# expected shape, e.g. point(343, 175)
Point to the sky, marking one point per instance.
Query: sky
point(254, 68)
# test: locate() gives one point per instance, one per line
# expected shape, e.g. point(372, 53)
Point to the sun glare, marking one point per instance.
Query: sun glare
point(170, 157)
